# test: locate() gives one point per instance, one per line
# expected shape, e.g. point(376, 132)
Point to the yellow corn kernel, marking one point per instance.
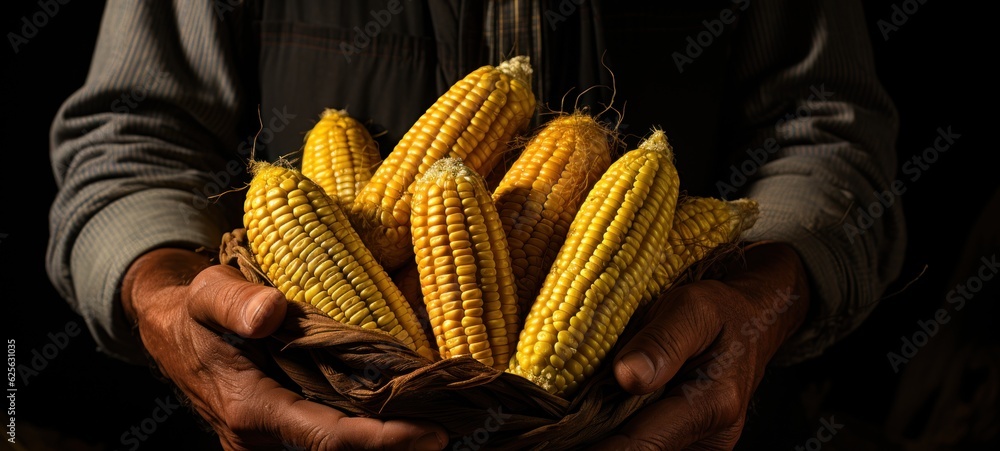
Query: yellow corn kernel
point(304, 243)
point(340, 155)
point(701, 225)
point(542, 192)
point(601, 271)
point(465, 274)
point(474, 121)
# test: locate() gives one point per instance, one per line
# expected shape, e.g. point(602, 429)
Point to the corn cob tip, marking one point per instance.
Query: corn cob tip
point(657, 142)
point(518, 67)
point(257, 166)
point(745, 214)
point(447, 165)
point(333, 111)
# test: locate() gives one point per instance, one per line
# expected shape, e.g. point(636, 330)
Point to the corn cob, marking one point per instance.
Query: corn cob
point(339, 155)
point(602, 270)
point(303, 242)
point(474, 120)
point(465, 273)
point(542, 191)
point(701, 225)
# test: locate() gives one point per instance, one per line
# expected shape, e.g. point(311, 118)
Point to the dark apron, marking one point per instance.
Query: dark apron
point(386, 62)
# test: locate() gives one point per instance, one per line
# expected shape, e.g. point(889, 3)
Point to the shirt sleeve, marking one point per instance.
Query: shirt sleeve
point(141, 150)
point(819, 156)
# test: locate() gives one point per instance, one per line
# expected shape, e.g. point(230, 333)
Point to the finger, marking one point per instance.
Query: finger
point(680, 325)
point(676, 423)
point(392, 434)
point(278, 412)
point(223, 298)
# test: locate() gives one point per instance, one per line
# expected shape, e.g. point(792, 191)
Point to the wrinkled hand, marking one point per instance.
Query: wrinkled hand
point(712, 341)
point(184, 305)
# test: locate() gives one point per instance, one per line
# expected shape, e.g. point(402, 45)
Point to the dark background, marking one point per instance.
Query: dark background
point(930, 65)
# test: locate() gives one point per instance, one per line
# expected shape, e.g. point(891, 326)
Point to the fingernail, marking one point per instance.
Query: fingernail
point(429, 442)
point(639, 364)
point(262, 311)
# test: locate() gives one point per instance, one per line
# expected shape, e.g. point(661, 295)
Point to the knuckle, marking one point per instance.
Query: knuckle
point(697, 303)
point(703, 302)
point(658, 338)
point(241, 414)
point(672, 351)
point(729, 406)
point(242, 422)
point(317, 440)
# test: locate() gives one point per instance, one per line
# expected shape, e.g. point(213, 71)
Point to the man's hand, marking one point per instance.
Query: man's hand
point(711, 341)
point(183, 305)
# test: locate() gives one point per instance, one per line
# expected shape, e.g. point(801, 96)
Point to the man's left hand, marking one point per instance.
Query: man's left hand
point(711, 340)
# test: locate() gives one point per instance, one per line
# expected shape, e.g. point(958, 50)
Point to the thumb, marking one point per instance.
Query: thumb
point(681, 325)
point(222, 298)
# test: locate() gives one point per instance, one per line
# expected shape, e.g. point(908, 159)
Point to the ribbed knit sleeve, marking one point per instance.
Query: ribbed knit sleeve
point(137, 150)
point(820, 151)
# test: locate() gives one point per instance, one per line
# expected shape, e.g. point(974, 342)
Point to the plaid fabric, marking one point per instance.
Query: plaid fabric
point(563, 39)
point(514, 27)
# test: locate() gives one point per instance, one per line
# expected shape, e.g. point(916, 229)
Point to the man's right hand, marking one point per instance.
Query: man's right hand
point(183, 305)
